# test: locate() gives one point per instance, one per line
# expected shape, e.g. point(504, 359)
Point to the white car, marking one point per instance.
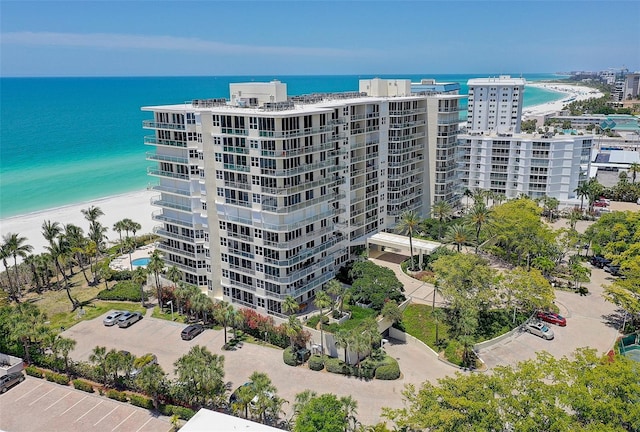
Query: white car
point(539, 329)
point(112, 318)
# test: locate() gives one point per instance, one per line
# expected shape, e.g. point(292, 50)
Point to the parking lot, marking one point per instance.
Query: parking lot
point(39, 405)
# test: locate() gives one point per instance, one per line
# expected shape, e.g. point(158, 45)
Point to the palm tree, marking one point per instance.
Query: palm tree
point(200, 304)
point(78, 245)
point(264, 391)
point(442, 211)
point(335, 287)
point(468, 194)
point(59, 251)
point(342, 338)
point(26, 326)
point(4, 255)
point(135, 226)
point(582, 191)
point(293, 327)
point(290, 305)
point(64, 346)
point(153, 381)
point(129, 246)
point(222, 314)
point(119, 227)
point(458, 235)
point(479, 216)
point(174, 274)
point(243, 397)
point(322, 301)
point(350, 409)
point(16, 248)
point(98, 235)
point(139, 277)
point(409, 222)
point(92, 213)
point(156, 266)
point(634, 169)
point(99, 357)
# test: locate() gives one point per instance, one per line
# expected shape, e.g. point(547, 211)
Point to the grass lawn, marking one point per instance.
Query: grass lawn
point(157, 313)
point(358, 315)
point(419, 323)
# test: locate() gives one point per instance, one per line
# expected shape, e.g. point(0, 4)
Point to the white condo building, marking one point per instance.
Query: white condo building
point(494, 155)
point(265, 195)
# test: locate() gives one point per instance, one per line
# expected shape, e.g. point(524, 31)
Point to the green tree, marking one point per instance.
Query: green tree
point(479, 216)
point(139, 277)
point(442, 211)
point(99, 357)
point(342, 338)
point(408, 224)
point(322, 301)
point(222, 314)
point(156, 267)
point(153, 381)
point(634, 169)
point(15, 246)
point(129, 245)
point(336, 288)
point(290, 305)
point(324, 413)
point(374, 285)
point(458, 235)
point(526, 290)
point(582, 192)
point(64, 346)
point(264, 392)
point(391, 311)
point(201, 377)
point(174, 274)
point(26, 325)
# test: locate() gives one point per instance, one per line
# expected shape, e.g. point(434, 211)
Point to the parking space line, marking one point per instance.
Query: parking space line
point(73, 405)
point(42, 396)
point(105, 416)
point(145, 423)
point(119, 424)
point(25, 395)
point(57, 401)
point(97, 405)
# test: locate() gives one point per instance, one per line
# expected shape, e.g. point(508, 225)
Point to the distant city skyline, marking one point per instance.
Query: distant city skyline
point(168, 38)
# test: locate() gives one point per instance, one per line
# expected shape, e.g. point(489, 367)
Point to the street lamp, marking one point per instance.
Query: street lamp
point(170, 302)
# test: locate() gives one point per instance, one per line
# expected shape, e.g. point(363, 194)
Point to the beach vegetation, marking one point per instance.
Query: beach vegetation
point(123, 291)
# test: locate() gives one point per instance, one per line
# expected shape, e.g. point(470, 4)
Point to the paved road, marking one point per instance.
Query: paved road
point(39, 405)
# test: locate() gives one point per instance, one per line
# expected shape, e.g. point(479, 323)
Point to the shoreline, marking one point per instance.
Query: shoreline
point(571, 91)
point(134, 205)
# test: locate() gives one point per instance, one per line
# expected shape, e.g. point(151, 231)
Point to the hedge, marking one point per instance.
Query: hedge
point(82, 385)
point(122, 291)
point(453, 352)
point(57, 378)
point(289, 357)
point(140, 401)
point(182, 412)
point(335, 365)
point(316, 362)
point(388, 372)
point(34, 371)
point(117, 395)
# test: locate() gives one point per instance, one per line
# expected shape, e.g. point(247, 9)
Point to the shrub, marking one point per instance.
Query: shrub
point(182, 412)
point(82, 385)
point(33, 371)
point(316, 362)
point(140, 401)
point(117, 395)
point(388, 372)
point(335, 365)
point(289, 357)
point(122, 291)
point(57, 378)
point(120, 275)
point(366, 369)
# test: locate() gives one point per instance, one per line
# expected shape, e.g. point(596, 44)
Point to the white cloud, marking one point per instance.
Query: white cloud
point(167, 43)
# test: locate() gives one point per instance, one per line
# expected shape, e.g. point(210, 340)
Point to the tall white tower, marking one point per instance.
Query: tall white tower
point(495, 104)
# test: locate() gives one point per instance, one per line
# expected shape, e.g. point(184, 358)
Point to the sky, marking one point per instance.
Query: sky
point(173, 38)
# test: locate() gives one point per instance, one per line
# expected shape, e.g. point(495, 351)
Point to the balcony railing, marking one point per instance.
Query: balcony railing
point(156, 201)
point(150, 124)
point(176, 251)
point(172, 190)
point(151, 140)
point(297, 275)
point(159, 216)
point(164, 158)
point(296, 152)
point(302, 255)
point(405, 137)
point(160, 173)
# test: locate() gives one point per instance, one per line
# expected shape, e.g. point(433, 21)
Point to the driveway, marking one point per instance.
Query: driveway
point(39, 405)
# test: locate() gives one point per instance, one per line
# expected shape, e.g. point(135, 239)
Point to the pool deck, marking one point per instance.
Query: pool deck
point(122, 262)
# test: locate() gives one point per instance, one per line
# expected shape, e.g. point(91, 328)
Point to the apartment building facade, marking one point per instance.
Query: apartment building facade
point(266, 196)
point(495, 104)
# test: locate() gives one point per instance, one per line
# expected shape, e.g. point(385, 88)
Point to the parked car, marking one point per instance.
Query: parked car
point(539, 329)
point(191, 331)
point(599, 261)
point(601, 204)
point(9, 380)
point(142, 362)
point(112, 318)
point(552, 318)
point(129, 318)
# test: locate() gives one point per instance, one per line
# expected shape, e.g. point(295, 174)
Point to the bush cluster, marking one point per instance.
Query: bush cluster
point(316, 362)
point(121, 275)
point(117, 395)
point(182, 412)
point(335, 365)
point(388, 372)
point(82, 385)
point(57, 378)
point(122, 291)
point(140, 401)
point(289, 357)
point(34, 371)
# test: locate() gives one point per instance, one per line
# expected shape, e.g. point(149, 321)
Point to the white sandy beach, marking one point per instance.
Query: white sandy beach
point(135, 206)
point(570, 91)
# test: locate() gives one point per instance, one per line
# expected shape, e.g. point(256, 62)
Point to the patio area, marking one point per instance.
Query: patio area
point(122, 262)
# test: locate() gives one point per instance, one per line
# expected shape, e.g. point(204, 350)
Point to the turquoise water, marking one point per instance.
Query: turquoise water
point(69, 140)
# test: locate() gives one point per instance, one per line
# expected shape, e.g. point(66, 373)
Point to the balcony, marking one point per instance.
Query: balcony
point(152, 140)
point(241, 168)
point(405, 137)
point(167, 248)
point(163, 158)
point(162, 232)
point(404, 125)
point(239, 150)
point(159, 216)
point(275, 208)
point(172, 190)
point(300, 169)
point(330, 182)
point(167, 174)
point(159, 202)
point(298, 241)
point(151, 124)
point(297, 275)
point(296, 152)
point(302, 255)
point(297, 133)
point(278, 227)
point(231, 131)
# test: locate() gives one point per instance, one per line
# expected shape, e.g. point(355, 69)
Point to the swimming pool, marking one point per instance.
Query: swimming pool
point(140, 262)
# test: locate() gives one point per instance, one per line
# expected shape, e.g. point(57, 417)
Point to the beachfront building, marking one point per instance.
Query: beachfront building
point(495, 104)
point(493, 154)
point(265, 196)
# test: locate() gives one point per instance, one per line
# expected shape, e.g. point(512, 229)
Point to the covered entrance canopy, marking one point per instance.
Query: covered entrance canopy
point(387, 242)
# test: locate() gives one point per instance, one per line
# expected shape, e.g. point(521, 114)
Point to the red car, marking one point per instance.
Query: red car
point(552, 318)
point(601, 204)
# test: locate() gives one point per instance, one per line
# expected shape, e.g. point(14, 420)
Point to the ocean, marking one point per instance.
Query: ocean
point(69, 140)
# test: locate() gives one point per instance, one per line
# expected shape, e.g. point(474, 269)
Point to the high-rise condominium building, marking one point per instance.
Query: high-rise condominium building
point(495, 104)
point(493, 154)
point(265, 196)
